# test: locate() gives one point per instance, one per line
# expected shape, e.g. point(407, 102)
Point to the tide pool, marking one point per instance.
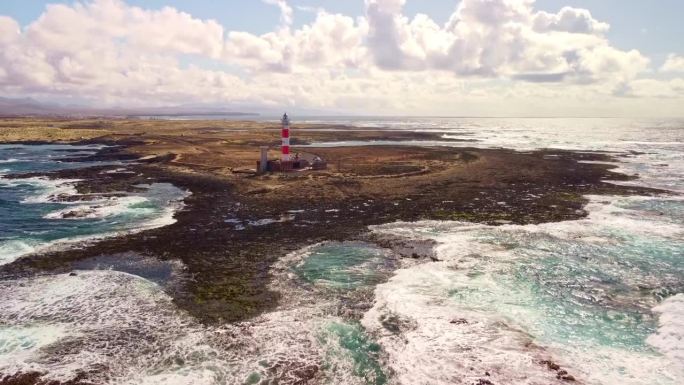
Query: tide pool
point(344, 266)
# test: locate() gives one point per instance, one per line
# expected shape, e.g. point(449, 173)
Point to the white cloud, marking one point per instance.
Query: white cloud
point(494, 38)
point(9, 29)
point(654, 88)
point(330, 41)
point(570, 20)
point(489, 53)
point(68, 29)
point(96, 44)
point(673, 63)
point(285, 10)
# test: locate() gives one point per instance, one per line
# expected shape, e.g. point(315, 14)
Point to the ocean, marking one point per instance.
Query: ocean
point(600, 299)
point(34, 214)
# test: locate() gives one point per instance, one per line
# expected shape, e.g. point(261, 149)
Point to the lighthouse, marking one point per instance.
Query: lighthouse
point(286, 162)
point(285, 135)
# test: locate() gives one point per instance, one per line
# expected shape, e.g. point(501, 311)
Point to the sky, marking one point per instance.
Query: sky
point(379, 57)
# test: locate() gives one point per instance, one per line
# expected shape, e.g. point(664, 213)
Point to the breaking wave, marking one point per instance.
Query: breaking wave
point(120, 328)
point(508, 300)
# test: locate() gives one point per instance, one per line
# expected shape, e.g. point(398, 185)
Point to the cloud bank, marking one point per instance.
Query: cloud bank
point(491, 57)
point(674, 63)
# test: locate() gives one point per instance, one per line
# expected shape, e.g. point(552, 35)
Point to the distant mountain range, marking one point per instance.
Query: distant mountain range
point(32, 107)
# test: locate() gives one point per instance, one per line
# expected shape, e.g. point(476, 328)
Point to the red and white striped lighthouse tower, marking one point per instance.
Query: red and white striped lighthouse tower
point(286, 139)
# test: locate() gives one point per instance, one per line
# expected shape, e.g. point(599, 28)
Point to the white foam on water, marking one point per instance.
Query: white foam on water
point(123, 329)
point(51, 189)
point(167, 215)
point(669, 338)
point(298, 333)
point(109, 320)
point(610, 213)
point(439, 343)
point(48, 190)
point(12, 249)
point(18, 343)
point(425, 346)
point(189, 377)
point(461, 317)
point(169, 198)
point(100, 208)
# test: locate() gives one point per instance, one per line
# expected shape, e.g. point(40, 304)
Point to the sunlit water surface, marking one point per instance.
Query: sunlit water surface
point(601, 297)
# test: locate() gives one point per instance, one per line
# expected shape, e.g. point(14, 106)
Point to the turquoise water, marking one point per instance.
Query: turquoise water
point(590, 293)
point(340, 269)
point(598, 296)
point(32, 215)
point(559, 284)
point(586, 296)
point(601, 296)
point(348, 343)
point(344, 266)
point(582, 290)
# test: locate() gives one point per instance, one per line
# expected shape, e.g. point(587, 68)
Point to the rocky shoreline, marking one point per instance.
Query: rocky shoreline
point(232, 230)
point(235, 226)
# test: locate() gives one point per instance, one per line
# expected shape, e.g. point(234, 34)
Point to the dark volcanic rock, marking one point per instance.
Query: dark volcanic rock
point(230, 265)
point(34, 378)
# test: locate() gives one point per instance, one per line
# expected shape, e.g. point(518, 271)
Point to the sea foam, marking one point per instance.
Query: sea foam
point(154, 207)
point(503, 299)
point(123, 329)
point(98, 319)
point(669, 338)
